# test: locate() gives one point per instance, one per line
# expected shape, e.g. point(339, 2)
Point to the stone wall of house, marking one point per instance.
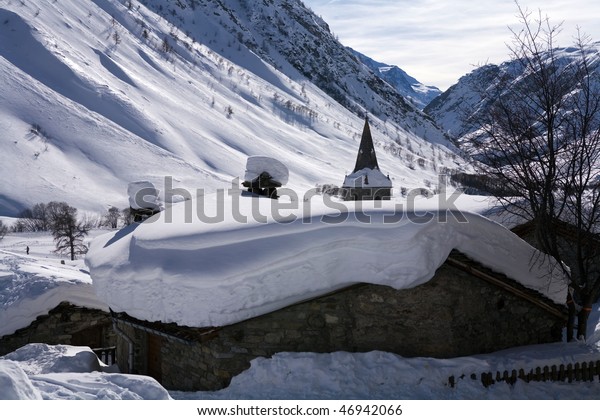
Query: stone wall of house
point(364, 194)
point(131, 358)
point(452, 315)
point(65, 324)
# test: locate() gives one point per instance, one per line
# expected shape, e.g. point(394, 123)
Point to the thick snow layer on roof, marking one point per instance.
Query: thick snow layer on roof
point(256, 165)
point(367, 178)
point(143, 195)
point(230, 256)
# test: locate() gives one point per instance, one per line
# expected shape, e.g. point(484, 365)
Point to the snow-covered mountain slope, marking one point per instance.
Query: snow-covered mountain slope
point(467, 98)
point(100, 93)
point(289, 36)
point(409, 87)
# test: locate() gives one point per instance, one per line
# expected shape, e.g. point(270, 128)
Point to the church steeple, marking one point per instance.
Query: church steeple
point(366, 182)
point(366, 152)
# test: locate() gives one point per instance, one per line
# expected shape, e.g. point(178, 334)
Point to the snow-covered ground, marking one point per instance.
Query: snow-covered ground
point(66, 372)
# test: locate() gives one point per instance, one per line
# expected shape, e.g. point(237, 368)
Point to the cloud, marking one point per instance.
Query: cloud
point(437, 41)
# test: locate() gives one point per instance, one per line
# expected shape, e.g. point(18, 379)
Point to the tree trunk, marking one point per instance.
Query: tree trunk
point(571, 318)
point(582, 320)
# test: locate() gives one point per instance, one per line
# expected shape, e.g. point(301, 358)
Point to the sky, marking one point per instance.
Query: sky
point(437, 41)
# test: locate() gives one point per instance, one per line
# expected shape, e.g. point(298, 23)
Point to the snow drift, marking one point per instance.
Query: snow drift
point(40, 371)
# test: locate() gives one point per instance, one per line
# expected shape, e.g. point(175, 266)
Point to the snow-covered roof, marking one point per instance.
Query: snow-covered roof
point(255, 165)
point(143, 195)
point(258, 255)
point(367, 178)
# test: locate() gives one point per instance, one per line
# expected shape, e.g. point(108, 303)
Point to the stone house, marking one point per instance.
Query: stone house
point(465, 309)
point(366, 182)
point(65, 324)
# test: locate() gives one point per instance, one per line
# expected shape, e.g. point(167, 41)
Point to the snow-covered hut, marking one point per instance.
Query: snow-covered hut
point(194, 303)
point(143, 200)
point(264, 175)
point(366, 182)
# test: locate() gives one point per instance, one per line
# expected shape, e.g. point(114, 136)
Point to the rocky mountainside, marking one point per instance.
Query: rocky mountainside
point(470, 96)
point(285, 33)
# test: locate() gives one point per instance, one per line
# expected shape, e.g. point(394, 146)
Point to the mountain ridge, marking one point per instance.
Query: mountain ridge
point(469, 96)
point(409, 87)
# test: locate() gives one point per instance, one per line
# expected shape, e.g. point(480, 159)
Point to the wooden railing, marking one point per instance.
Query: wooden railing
point(585, 371)
point(106, 354)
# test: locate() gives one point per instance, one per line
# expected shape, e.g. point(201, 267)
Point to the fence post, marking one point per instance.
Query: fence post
point(513, 377)
point(553, 373)
point(570, 372)
point(577, 371)
point(561, 372)
point(487, 379)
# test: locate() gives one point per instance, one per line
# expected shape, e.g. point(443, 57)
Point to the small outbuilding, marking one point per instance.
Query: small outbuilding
point(144, 200)
point(264, 175)
point(465, 309)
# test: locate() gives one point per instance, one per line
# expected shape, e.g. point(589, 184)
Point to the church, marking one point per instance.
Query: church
point(366, 182)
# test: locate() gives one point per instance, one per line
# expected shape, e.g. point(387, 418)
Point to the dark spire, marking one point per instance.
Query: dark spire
point(366, 152)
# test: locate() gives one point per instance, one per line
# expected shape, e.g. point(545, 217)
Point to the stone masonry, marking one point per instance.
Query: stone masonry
point(454, 314)
point(65, 324)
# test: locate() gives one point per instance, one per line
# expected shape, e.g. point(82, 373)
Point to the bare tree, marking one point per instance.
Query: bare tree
point(3, 230)
point(112, 217)
point(68, 232)
point(127, 216)
point(39, 218)
point(539, 134)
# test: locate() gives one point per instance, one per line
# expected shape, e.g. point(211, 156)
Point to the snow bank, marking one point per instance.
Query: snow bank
point(257, 255)
point(41, 371)
point(378, 375)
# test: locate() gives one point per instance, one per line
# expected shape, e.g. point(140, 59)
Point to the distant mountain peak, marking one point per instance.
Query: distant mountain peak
point(409, 87)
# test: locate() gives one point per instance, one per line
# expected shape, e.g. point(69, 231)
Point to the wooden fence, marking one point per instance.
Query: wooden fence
point(585, 371)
